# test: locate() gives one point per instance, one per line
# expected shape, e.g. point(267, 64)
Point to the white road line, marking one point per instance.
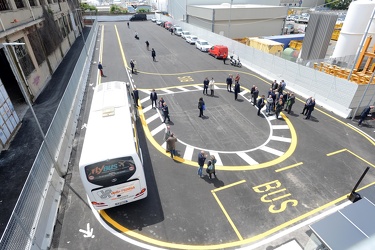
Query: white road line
point(356, 128)
point(148, 92)
point(271, 118)
point(158, 129)
point(183, 89)
point(247, 158)
point(148, 108)
point(280, 126)
point(272, 151)
point(145, 99)
point(168, 91)
point(279, 138)
point(188, 155)
point(164, 145)
point(198, 87)
point(244, 92)
point(217, 157)
point(152, 118)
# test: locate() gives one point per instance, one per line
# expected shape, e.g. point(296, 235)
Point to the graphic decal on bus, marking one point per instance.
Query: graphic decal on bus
point(110, 172)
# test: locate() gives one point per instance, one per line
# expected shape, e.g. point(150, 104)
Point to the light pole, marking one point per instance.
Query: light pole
point(230, 17)
point(20, 79)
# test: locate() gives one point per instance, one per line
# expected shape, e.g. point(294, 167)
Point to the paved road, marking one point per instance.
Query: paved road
point(272, 174)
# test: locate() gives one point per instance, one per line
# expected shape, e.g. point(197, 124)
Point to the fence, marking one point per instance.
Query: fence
point(33, 218)
point(334, 94)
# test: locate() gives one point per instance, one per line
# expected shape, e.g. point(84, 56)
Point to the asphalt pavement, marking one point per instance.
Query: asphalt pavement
point(272, 173)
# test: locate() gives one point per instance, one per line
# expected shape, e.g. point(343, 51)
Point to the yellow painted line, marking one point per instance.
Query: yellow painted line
point(369, 163)
point(99, 77)
point(121, 49)
point(272, 163)
point(337, 152)
point(289, 167)
point(149, 240)
point(228, 217)
point(228, 186)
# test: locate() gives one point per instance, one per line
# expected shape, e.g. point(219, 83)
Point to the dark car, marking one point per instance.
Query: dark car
point(139, 17)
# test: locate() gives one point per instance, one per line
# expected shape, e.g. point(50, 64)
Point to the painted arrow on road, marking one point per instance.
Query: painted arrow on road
point(88, 232)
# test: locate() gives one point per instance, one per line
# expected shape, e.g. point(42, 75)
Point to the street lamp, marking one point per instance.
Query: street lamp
point(20, 79)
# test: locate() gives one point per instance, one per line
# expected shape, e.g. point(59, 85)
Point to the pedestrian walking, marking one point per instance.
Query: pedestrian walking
point(310, 108)
point(289, 102)
point(237, 88)
point(364, 114)
point(128, 25)
point(161, 102)
point(135, 96)
point(252, 91)
point(132, 65)
point(279, 107)
point(171, 30)
point(304, 111)
point(165, 110)
point(171, 145)
point(153, 98)
point(100, 67)
point(237, 79)
point(224, 57)
point(211, 85)
point(153, 54)
point(205, 85)
point(229, 82)
point(269, 105)
point(136, 35)
point(255, 96)
point(135, 66)
point(167, 134)
point(147, 45)
point(211, 167)
point(201, 107)
point(201, 160)
point(260, 104)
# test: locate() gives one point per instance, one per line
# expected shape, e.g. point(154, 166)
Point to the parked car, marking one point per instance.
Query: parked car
point(185, 33)
point(153, 19)
point(178, 31)
point(158, 22)
point(202, 45)
point(139, 17)
point(191, 39)
point(167, 25)
point(218, 51)
point(162, 23)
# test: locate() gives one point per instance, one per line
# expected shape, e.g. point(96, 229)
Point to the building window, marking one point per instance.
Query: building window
point(23, 57)
point(4, 5)
point(32, 2)
point(19, 4)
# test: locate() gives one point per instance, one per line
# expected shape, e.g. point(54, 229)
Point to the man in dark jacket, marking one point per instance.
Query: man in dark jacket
point(237, 88)
point(364, 114)
point(201, 159)
point(165, 112)
point(260, 103)
point(255, 96)
point(310, 108)
point(153, 98)
point(205, 85)
point(136, 96)
point(229, 83)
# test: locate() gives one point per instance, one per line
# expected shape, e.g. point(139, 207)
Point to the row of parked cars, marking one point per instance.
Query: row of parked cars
point(218, 51)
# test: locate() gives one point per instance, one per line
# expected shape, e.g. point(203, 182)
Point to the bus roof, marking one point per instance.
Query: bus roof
point(107, 133)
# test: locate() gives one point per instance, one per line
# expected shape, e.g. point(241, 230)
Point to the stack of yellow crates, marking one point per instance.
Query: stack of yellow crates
point(336, 32)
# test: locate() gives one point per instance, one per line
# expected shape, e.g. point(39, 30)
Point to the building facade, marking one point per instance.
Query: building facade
point(35, 35)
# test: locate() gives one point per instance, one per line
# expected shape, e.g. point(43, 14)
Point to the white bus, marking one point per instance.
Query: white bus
point(111, 163)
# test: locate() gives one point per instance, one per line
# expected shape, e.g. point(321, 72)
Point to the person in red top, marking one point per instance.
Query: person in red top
point(224, 57)
point(237, 79)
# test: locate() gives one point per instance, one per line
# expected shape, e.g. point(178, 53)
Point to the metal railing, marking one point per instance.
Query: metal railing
point(41, 193)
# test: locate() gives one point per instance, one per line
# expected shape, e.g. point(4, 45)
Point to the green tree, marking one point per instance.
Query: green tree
point(338, 4)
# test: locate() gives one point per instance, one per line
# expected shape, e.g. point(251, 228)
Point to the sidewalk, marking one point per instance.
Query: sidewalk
point(16, 162)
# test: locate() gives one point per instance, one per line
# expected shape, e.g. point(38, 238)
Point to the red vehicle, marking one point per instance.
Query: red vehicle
point(167, 25)
point(218, 51)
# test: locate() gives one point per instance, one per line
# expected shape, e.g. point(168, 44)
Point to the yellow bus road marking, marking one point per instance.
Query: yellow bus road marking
point(347, 150)
point(228, 186)
point(337, 152)
point(260, 236)
point(226, 215)
point(288, 167)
